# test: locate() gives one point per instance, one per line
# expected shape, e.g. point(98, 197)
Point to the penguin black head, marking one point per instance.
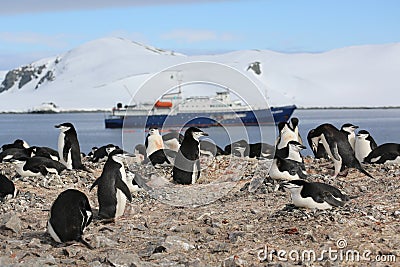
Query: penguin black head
point(195, 133)
point(348, 127)
point(294, 184)
point(66, 126)
point(363, 134)
point(295, 146)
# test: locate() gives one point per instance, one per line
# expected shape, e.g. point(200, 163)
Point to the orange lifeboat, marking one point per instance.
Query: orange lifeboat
point(163, 104)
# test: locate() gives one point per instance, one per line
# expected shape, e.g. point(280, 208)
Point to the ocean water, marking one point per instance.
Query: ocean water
point(39, 130)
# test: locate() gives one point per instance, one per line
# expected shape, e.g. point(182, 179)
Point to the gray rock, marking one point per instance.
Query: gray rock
point(11, 221)
point(103, 242)
point(125, 259)
point(177, 243)
point(216, 247)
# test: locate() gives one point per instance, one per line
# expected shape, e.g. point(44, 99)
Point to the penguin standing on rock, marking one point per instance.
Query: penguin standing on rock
point(315, 195)
point(186, 168)
point(70, 214)
point(113, 189)
point(364, 144)
point(337, 146)
point(153, 141)
point(68, 147)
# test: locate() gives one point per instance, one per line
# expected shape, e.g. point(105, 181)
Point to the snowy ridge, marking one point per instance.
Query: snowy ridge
point(100, 73)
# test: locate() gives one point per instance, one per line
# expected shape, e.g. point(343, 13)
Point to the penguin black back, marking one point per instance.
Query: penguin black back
point(6, 187)
point(70, 214)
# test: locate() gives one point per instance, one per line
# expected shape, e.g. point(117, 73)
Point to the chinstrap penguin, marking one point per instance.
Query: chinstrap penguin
point(68, 147)
point(113, 189)
point(172, 140)
point(153, 141)
point(209, 148)
point(70, 214)
point(349, 130)
point(364, 144)
point(7, 188)
point(37, 166)
point(387, 153)
point(186, 168)
point(19, 143)
point(313, 195)
point(337, 146)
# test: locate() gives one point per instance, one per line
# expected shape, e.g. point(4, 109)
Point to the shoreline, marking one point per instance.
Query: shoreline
point(109, 110)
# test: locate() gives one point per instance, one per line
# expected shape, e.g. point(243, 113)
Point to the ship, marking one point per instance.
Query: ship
point(173, 110)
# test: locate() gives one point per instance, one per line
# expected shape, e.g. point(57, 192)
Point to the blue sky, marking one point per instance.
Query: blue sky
point(33, 29)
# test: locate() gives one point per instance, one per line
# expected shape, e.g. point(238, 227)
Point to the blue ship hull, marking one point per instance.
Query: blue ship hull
point(271, 116)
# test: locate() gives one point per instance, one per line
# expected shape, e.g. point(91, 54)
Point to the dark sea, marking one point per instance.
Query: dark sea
point(38, 129)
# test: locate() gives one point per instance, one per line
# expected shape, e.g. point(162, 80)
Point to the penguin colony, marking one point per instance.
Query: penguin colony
point(71, 212)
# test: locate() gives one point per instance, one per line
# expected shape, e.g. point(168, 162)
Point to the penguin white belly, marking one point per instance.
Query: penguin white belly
point(121, 202)
point(362, 149)
point(24, 173)
point(52, 170)
point(308, 202)
point(154, 143)
point(394, 161)
point(52, 232)
point(194, 173)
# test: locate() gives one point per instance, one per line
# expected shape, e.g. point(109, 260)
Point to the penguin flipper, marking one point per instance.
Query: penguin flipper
point(94, 184)
point(335, 150)
point(331, 200)
point(198, 168)
point(121, 185)
point(66, 148)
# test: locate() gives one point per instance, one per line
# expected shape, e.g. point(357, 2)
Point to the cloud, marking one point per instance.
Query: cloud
point(194, 36)
point(12, 7)
point(31, 38)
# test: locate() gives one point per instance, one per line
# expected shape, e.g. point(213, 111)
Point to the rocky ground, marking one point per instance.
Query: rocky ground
point(235, 216)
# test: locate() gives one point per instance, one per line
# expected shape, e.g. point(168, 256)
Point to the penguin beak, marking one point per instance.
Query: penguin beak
point(57, 126)
point(204, 134)
point(282, 186)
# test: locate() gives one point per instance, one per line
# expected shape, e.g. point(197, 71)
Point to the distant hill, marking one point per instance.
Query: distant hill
point(100, 73)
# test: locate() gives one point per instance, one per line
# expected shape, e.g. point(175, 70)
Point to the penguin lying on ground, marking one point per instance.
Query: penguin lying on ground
point(210, 149)
point(21, 144)
point(288, 163)
point(14, 153)
point(186, 168)
point(68, 147)
point(314, 195)
point(239, 148)
point(364, 144)
point(37, 166)
point(101, 154)
point(337, 146)
point(261, 150)
point(45, 152)
point(112, 186)
point(70, 214)
point(387, 153)
point(7, 188)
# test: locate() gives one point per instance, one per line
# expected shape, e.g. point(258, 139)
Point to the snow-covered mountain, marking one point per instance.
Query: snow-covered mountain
point(98, 74)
